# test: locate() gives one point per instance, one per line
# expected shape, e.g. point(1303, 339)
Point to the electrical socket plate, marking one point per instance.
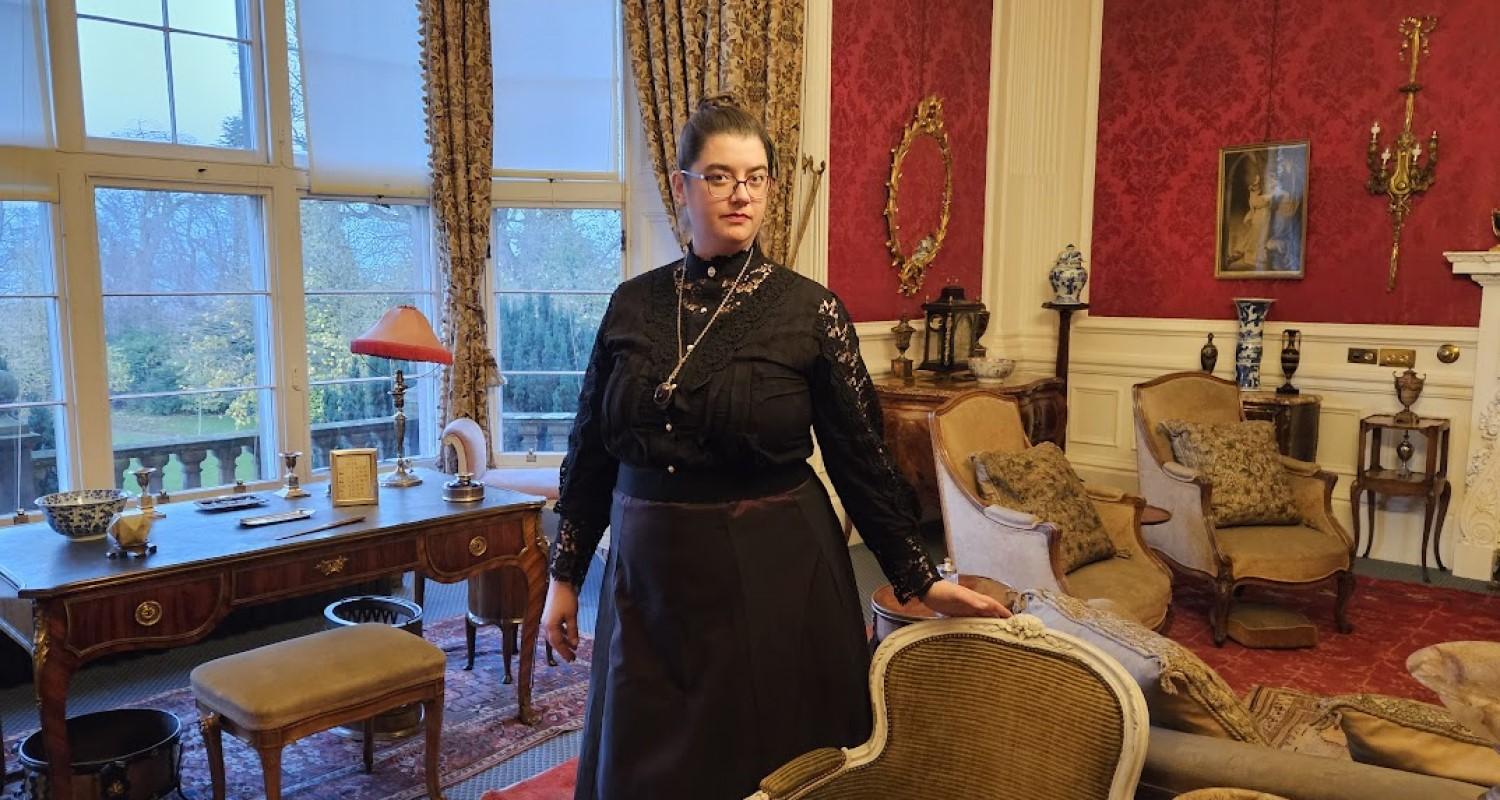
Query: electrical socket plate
point(1394, 357)
point(1360, 355)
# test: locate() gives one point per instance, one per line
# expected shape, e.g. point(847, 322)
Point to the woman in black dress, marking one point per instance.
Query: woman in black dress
point(731, 636)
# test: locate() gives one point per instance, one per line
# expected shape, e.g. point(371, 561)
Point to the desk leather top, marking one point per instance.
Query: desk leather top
point(37, 561)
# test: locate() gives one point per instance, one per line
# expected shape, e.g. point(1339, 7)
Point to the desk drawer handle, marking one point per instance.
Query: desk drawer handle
point(478, 546)
point(148, 613)
point(332, 566)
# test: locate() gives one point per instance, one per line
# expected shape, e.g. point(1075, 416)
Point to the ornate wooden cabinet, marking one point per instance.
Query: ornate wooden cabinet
point(1044, 410)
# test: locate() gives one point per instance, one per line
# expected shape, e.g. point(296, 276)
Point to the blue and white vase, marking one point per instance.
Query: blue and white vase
point(1068, 277)
point(1251, 312)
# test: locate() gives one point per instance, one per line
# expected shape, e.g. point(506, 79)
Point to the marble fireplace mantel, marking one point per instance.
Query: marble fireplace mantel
point(1479, 519)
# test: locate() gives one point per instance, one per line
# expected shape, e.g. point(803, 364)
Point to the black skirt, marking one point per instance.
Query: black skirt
point(730, 640)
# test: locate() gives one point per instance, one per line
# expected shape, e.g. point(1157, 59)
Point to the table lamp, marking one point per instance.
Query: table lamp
point(402, 333)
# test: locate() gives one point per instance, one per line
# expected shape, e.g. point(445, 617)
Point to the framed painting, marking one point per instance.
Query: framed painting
point(1262, 220)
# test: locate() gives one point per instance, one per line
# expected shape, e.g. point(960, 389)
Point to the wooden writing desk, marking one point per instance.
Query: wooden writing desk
point(68, 604)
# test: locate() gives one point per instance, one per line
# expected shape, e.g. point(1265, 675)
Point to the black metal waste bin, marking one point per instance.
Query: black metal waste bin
point(397, 612)
point(124, 754)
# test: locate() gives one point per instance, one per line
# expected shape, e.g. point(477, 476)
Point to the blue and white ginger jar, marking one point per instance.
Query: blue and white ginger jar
point(1068, 277)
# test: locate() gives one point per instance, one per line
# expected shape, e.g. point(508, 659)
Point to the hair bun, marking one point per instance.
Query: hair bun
point(722, 100)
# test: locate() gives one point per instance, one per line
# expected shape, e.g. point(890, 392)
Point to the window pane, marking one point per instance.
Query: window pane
point(221, 17)
point(26, 352)
point(209, 92)
point(362, 415)
point(555, 92)
point(557, 248)
point(179, 241)
point(548, 332)
point(194, 440)
point(146, 11)
point(25, 249)
point(29, 455)
point(537, 412)
point(363, 246)
point(163, 344)
point(294, 72)
point(124, 81)
point(333, 321)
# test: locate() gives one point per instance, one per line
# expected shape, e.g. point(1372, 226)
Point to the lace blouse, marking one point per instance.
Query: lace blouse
point(781, 359)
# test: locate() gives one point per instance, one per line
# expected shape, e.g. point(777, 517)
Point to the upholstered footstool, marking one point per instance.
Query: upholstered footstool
point(274, 695)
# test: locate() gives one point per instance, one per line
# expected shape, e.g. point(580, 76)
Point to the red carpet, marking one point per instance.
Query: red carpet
point(554, 784)
point(1391, 621)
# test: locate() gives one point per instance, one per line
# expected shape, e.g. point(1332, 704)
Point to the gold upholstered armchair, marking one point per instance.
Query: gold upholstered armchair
point(1308, 548)
point(984, 709)
point(1022, 550)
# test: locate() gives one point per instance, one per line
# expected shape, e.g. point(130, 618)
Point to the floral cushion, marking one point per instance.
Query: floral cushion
point(1041, 482)
point(1240, 460)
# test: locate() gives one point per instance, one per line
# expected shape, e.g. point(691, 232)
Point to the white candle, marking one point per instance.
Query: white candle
point(1416, 152)
point(1375, 129)
point(1386, 156)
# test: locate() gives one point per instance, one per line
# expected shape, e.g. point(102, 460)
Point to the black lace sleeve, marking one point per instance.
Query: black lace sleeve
point(586, 480)
point(846, 417)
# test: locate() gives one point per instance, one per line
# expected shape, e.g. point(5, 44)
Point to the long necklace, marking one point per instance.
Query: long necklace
point(662, 397)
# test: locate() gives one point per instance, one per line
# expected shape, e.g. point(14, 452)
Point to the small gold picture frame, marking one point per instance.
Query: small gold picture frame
point(352, 477)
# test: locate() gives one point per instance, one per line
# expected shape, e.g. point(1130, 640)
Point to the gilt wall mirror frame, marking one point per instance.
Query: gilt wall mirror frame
point(915, 197)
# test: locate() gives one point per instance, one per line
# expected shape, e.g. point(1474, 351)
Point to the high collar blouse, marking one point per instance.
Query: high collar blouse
point(778, 362)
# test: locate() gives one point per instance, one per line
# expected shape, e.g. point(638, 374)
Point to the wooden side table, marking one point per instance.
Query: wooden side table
point(1295, 417)
point(1430, 483)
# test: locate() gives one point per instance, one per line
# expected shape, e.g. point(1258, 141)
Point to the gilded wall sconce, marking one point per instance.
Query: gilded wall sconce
point(1410, 174)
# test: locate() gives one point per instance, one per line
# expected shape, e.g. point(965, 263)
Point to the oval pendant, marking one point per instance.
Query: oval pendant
point(663, 394)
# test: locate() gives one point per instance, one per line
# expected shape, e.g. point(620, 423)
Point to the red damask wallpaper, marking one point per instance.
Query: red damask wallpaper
point(879, 73)
point(1182, 78)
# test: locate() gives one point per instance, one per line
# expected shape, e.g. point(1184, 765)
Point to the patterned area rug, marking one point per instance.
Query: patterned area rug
point(480, 730)
point(554, 784)
point(1391, 621)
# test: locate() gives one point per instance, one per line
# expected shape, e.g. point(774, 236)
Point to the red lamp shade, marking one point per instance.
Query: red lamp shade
point(402, 333)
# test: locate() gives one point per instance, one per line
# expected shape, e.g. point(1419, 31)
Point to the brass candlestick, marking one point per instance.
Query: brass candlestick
point(1411, 175)
point(403, 476)
point(291, 487)
point(146, 502)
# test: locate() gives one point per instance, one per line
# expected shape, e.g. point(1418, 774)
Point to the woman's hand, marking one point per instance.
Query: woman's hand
point(952, 600)
point(560, 619)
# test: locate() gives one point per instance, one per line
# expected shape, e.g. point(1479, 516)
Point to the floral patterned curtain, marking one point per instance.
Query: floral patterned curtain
point(459, 92)
point(684, 50)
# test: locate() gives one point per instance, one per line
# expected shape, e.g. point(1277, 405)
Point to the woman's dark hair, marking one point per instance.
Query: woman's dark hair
point(716, 115)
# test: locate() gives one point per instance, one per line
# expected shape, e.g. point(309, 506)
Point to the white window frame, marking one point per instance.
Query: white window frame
point(514, 188)
point(427, 397)
point(267, 355)
point(67, 444)
point(258, 100)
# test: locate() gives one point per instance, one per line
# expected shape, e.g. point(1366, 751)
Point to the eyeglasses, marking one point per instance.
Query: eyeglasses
point(721, 186)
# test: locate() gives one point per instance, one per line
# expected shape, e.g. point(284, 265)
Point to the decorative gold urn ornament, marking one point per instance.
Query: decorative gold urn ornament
point(1408, 388)
point(1410, 174)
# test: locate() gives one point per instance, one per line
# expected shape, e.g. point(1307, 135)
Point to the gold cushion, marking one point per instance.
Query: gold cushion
point(1041, 482)
point(1414, 736)
point(1136, 588)
point(1290, 553)
point(1242, 463)
point(1268, 627)
point(1182, 692)
point(1222, 793)
point(268, 688)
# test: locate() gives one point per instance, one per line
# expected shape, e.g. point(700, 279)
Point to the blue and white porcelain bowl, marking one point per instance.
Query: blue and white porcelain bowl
point(991, 370)
point(84, 514)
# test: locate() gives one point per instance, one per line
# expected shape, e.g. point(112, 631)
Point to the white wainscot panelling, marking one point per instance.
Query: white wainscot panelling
point(1111, 355)
point(1094, 416)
